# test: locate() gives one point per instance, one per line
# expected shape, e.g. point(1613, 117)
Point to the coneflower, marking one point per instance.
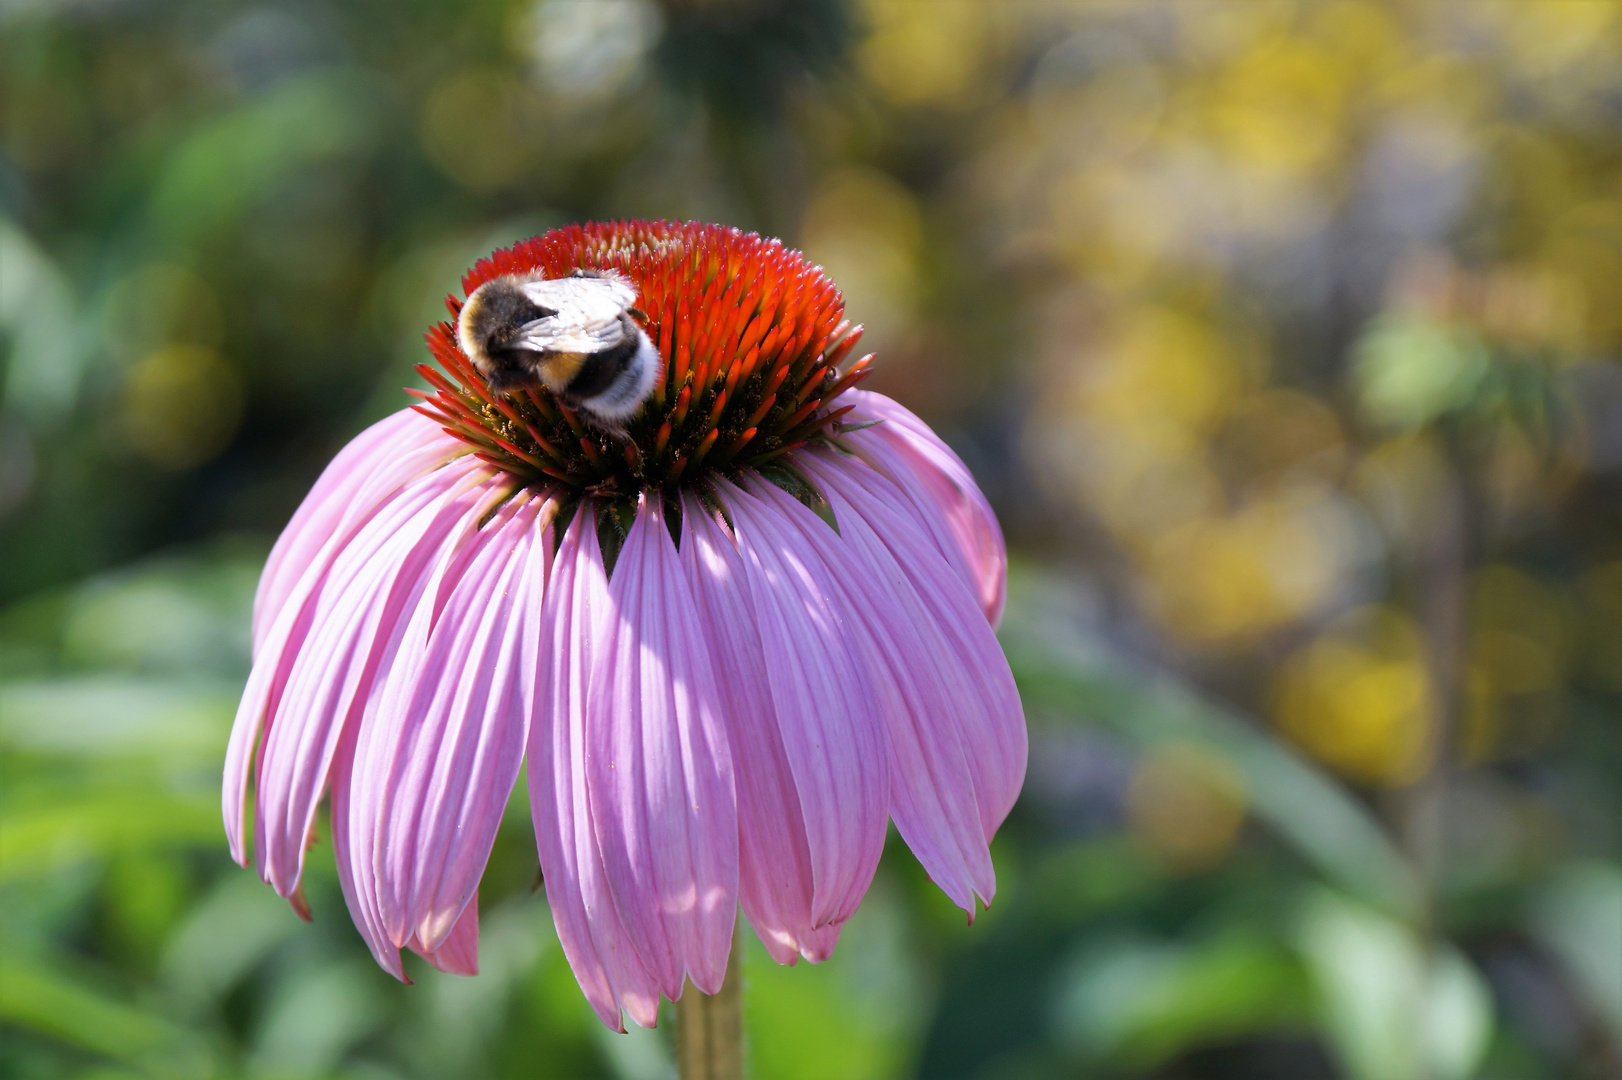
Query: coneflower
point(733, 638)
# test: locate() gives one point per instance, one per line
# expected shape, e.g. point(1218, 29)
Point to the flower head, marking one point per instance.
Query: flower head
point(751, 334)
point(732, 639)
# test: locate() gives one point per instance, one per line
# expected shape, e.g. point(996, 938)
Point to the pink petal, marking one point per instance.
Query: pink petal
point(911, 667)
point(831, 735)
point(355, 875)
point(973, 694)
point(940, 485)
point(459, 953)
point(917, 679)
point(316, 662)
point(413, 562)
point(819, 944)
point(384, 749)
point(774, 858)
point(366, 473)
point(658, 769)
point(453, 725)
point(575, 618)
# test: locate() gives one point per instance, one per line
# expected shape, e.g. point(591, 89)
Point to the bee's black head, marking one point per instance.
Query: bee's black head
point(495, 313)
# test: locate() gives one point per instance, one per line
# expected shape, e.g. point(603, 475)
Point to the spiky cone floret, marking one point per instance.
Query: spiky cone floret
point(731, 641)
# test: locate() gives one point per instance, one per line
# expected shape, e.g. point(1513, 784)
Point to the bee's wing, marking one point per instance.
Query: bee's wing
point(588, 313)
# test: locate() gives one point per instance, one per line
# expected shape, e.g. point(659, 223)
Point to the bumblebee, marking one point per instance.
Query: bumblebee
point(577, 336)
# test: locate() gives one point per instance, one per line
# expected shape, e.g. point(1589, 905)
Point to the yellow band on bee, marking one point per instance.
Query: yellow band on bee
point(557, 369)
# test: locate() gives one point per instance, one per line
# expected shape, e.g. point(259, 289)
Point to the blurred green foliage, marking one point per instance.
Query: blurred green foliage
point(1283, 335)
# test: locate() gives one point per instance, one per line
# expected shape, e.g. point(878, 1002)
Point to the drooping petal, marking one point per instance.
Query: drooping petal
point(459, 953)
point(910, 664)
point(774, 858)
point(932, 789)
point(333, 622)
point(940, 484)
point(317, 661)
point(831, 735)
point(426, 545)
point(658, 768)
point(453, 725)
point(973, 694)
point(574, 619)
point(385, 752)
point(355, 875)
point(366, 473)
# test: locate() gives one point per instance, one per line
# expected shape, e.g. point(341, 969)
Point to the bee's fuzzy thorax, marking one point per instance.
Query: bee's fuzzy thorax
point(748, 334)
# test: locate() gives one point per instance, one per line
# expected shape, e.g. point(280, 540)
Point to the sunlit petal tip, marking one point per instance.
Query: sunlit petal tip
point(819, 944)
point(458, 951)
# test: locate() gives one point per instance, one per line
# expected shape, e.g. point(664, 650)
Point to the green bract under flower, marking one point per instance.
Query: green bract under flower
point(750, 332)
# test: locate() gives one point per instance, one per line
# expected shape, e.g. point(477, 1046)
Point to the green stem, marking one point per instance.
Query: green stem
point(709, 1030)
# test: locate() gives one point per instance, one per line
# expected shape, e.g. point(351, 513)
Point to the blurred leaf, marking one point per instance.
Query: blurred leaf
point(167, 614)
point(1411, 370)
point(1144, 1002)
point(1393, 1011)
point(226, 165)
point(1081, 879)
point(144, 896)
point(49, 1002)
point(109, 715)
point(1458, 1016)
point(46, 337)
point(38, 837)
point(228, 932)
point(638, 1054)
point(1578, 917)
point(846, 1017)
point(316, 1013)
point(456, 1021)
